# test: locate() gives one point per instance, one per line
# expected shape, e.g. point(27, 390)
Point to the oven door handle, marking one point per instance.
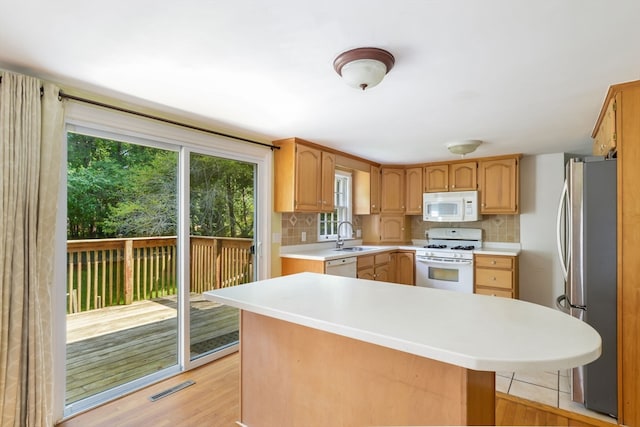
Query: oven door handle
point(441, 261)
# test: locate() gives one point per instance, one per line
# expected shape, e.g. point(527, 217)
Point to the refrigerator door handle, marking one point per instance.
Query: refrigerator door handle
point(562, 303)
point(564, 201)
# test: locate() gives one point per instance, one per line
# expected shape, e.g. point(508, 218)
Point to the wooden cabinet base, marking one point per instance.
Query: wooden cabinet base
point(292, 375)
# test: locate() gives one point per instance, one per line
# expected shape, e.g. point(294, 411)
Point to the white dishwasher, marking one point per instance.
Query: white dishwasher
point(346, 267)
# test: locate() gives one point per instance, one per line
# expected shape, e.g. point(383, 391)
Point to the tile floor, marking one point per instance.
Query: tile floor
point(550, 388)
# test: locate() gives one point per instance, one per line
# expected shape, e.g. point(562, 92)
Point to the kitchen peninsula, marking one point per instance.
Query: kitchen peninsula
point(327, 350)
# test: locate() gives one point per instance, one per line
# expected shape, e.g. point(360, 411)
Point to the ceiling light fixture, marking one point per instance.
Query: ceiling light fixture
point(463, 147)
point(363, 67)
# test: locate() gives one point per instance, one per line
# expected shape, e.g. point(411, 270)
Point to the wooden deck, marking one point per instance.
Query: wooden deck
point(114, 345)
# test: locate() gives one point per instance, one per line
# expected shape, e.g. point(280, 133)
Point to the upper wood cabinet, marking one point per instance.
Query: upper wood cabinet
point(389, 228)
point(392, 190)
point(328, 177)
point(366, 191)
point(303, 177)
point(375, 190)
point(463, 176)
point(499, 186)
point(436, 178)
point(450, 177)
point(605, 139)
point(414, 190)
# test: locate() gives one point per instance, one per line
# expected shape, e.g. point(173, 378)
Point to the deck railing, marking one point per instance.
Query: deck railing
point(107, 272)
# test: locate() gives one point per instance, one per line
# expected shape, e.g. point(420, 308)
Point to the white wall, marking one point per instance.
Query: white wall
point(541, 179)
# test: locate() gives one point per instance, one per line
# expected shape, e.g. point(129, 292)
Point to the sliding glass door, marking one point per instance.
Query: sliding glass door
point(222, 222)
point(121, 288)
point(152, 223)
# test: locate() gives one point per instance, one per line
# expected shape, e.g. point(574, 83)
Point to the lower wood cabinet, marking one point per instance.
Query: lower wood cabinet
point(375, 266)
point(496, 275)
point(396, 266)
point(404, 267)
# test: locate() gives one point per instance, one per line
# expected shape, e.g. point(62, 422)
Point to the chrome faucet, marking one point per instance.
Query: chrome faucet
point(340, 240)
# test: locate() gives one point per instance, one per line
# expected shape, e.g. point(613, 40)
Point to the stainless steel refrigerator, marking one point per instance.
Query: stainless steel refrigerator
point(587, 248)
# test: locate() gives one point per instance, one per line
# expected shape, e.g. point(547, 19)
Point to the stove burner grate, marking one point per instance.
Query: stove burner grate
point(436, 246)
point(463, 248)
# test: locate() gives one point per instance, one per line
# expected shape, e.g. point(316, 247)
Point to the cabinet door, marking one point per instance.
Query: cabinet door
point(392, 228)
point(375, 189)
point(405, 268)
point(328, 181)
point(413, 197)
point(436, 178)
point(392, 190)
point(499, 182)
point(382, 273)
point(366, 273)
point(463, 176)
point(605, 139)
point(308, 179)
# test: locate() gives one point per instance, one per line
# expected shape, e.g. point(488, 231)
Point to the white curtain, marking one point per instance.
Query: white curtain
point(31, 133)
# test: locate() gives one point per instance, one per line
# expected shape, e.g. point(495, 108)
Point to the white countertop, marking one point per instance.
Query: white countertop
point(330, 252)
point(325, 252)
point(473, 331)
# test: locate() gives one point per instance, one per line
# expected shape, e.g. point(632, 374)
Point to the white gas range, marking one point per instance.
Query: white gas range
point(447, 260)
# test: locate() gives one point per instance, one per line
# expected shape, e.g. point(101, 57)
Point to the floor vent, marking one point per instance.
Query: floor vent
point(171, 390)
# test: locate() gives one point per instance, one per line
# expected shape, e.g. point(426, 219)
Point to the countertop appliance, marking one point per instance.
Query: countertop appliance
point(586, 228)
point(446, 262)
point(346, 267)
point(453, 206)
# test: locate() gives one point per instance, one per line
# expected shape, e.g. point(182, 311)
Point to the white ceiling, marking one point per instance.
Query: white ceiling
point(523, 76)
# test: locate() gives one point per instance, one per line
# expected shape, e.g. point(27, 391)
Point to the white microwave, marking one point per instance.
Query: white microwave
point(454, 206)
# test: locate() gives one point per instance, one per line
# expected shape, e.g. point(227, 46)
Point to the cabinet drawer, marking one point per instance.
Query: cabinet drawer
point(494, 278)
point(494, 261)
point(494, 292)
point(383, 258)
point(365, 261)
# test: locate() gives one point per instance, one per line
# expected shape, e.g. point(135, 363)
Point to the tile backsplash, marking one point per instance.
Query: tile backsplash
point(496, 228)
point(294, 224)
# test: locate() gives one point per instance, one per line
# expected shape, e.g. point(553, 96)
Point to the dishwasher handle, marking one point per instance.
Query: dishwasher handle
point(342, 261)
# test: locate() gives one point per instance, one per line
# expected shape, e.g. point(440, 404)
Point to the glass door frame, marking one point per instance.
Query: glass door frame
point(83, 117)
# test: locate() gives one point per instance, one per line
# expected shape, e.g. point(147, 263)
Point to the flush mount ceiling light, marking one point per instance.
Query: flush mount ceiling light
point(463, 147)
point(363, 67)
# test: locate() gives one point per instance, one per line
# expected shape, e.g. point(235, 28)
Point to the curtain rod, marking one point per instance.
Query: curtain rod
point(62, 95)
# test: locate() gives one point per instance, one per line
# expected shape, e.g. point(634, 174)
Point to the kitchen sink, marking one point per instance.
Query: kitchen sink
point(356, 248)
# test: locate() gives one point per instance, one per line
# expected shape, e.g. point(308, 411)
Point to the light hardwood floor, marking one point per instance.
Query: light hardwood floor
point(214, 401)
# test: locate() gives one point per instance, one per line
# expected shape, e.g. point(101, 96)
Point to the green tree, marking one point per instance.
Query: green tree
point(117, 189)
point(222, 199)
point(148, 206)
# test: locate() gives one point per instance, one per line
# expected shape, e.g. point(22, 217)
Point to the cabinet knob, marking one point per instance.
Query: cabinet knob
point(494, 279)
point(493, 262)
